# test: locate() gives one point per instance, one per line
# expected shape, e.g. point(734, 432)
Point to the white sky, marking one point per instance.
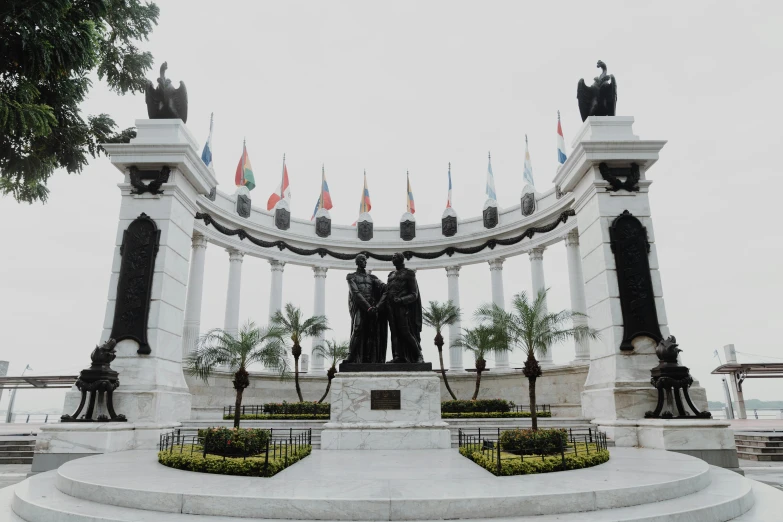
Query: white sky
point(398, 86)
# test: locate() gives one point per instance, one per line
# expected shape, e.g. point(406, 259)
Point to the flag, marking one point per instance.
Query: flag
point(283, 191)
point(411, 204)
point(448, 201)
point(206, 154)
point(364, 204)
point(491, 181)
point(561, 154)
point(244, 175)
point(324, 198)
point(527, 172)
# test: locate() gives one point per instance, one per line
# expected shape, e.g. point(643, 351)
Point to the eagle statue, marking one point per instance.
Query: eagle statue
point(164, 101)
point(600, 99)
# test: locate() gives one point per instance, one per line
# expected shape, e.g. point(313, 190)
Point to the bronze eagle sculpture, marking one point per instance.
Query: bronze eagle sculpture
point(164, 101)
point(600, 99)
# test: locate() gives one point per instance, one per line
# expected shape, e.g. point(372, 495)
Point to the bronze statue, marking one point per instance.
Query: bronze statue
point(368, 319)
point(164, 101)
point(600, 99)
point(403, 302)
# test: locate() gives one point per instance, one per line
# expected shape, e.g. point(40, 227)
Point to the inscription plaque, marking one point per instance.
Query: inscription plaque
point(384, 399)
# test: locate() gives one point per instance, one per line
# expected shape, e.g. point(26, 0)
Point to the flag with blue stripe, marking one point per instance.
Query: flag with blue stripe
point(206, 154)
point(561, 150)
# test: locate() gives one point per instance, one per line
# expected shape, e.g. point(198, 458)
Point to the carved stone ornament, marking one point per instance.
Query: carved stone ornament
point(448, 226)
point(407, 230)
point(323, 226)
point(490, 217)
point(164, 101)
point(243, 205)
point(134, 287)
point(558, 192)
point(600, 99)
point(673, 379)
point(212, 194)
point(99, 377)
point(282, 218)
point(156, 178)
point(613, 175)
point(631, 251)
point(528, 204)
point(364, 229)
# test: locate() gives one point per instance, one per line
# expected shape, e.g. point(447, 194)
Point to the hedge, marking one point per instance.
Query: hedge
point(262, 416)
point(249, 467)
point(495, 415)
point(234, 441)
point(480, 405)
point(531, 466)
point(296, 408)
point(530, 442)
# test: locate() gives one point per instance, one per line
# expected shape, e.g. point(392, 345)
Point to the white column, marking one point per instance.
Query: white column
point(496, 272)
point(455, 352)
point(577, 285)
point(231, 322)
point(539, 283)
point(195, 291)
point(319, 308)
point(276, 288)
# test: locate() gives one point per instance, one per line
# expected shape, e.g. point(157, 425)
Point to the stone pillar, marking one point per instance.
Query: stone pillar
point(496, 272)
point(577, 287)
point(276, 287)
point(233, 295)
point(192, 328)
point(539, 283)
point(736, 387)
point(319, 308)
point(455, 352)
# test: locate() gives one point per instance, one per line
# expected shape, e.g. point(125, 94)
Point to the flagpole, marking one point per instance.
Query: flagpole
point(282, 180)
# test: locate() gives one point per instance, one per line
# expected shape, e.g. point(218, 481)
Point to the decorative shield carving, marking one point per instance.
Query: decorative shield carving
point(558, 192)
point(134, 287)
point(364, 229)
point(323, 226)
point(243, 205)
point(282, 218)
point(490, 217)
point(407, 230)
point(613, 175)
point(528, 204)
point(448, 226)
point(631, 249)
point(156, 179)
point(212, 194)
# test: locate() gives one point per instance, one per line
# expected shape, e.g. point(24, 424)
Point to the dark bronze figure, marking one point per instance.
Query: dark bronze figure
point(403, 302)
point(600, 99)
point(368, 319)
point(164, 101)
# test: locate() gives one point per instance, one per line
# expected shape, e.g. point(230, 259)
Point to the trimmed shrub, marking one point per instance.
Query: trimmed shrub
point(495, 415)
point(296, 408)
point(479, 405)
point(249, 467)
point(263, 416)
point(234, 441)
point(548, 464)
point(529, 442)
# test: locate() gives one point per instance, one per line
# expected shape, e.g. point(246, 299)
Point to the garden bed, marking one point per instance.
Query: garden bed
point(511, 464)
point(192, 458)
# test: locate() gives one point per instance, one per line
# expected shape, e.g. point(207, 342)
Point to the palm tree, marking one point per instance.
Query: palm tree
point(333, 351)
point(252, 344)
point(533, 329)
point(437, 315)
point(292, 325)
point(481, 340)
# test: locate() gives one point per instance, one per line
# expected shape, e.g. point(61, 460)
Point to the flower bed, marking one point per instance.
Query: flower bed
point(193, 459)
point(529, 442)
point(241, 442)
point(495, 415)
point(480, 405)
point(296, 408)
point(544, 464)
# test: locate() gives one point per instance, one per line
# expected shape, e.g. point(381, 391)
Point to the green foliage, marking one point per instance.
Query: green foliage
point(482, 405)
point(530, 442)
point(294, 416)
point(236, 441)
point(296, 408)
point(530, 466)
point(48, 49)
point(292, 324)
point(249, 467)
point(437, 315)
point(333, 351)
point(495, 415)
point(482, 341)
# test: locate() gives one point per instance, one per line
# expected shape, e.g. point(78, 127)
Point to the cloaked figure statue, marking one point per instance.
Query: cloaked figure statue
point(600, 99)
point(164, 101)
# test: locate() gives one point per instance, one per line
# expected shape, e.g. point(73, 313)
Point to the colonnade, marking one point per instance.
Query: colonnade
point(192, 321)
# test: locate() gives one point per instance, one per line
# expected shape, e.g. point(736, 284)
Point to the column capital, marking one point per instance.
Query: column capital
point(235, 255)
point(277, 265)
point(537, 254)
point(496, 264)
point(320, 271)
point(452, 271)
point(198, 240)
point(572, 238)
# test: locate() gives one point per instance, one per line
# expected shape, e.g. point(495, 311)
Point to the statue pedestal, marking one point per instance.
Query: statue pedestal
point(385, 411)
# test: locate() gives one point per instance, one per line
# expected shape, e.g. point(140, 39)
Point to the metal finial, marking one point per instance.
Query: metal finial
point(558, 115)
point(322, 168)
point(284, 157)
point(211, 117)
point(489, 155)
point(525, 139)
point(449, 166)
point(244, 141)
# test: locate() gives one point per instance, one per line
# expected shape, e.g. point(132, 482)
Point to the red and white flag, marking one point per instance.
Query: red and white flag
point(283, 191)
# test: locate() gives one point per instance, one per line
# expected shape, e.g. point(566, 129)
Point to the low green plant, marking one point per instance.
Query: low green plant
point(247, 467)
point(547, 464)
point(234, 441)
point(482, 405)
point(535, 442)
point(296, 408)
point(294, 416)
point(494, 415)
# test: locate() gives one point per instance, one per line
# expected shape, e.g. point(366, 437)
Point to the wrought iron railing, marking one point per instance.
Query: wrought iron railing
point(258, 409)
point(540, 408)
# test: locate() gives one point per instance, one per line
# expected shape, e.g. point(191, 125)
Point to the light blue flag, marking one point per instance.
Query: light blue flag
point(206, 154)
point(491, 181)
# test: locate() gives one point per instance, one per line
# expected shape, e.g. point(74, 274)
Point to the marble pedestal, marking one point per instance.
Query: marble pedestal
point(709, 440)
point(354, 425)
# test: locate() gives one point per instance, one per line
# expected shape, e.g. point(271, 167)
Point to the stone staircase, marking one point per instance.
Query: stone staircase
point(17, 449)
point(759, 445)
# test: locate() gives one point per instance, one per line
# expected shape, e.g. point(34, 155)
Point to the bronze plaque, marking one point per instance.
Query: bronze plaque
point(384, 399)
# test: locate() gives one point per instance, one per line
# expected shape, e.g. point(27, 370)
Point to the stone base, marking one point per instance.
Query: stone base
point(384, 437)
point(385, 367)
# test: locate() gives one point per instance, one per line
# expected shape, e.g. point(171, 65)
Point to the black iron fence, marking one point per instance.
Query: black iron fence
point(540, 408)
point(261, 410)
point(578, 441)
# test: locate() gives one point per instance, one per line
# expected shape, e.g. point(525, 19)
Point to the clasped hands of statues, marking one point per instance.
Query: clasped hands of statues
point(395, 300)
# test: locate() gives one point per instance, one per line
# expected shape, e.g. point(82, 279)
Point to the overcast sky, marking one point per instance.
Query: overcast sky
point(397, 86)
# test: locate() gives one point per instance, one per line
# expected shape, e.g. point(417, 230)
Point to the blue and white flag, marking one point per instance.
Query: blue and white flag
point(561, 151)
point(206, 154)
point(527, 171)
point(448, 201)
point(491, 194)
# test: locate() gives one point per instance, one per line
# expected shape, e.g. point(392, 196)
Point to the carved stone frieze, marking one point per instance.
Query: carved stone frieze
point(407, 230)
point(282, 218)
point(243, 205)
point(528, 204)
point(364, 230)
point(323, 226)
point(449, 225)
point(490, 217)
point(613, 175)
point(156, 178)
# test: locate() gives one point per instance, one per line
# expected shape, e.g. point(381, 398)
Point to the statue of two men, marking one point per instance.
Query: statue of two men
point(376, 307)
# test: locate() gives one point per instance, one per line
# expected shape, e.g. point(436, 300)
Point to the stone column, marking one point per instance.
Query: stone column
point(539, 283)
point(455, 352)
point(192, 327)
point(276, 287)
point(319, 308)
point(577, 286)
point(496, 272)
point(231, 321)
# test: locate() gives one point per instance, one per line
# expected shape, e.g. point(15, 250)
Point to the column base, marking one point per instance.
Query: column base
point(157, 405)
point(627, 400)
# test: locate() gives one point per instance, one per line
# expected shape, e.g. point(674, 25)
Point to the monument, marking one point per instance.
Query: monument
point(369, 331)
